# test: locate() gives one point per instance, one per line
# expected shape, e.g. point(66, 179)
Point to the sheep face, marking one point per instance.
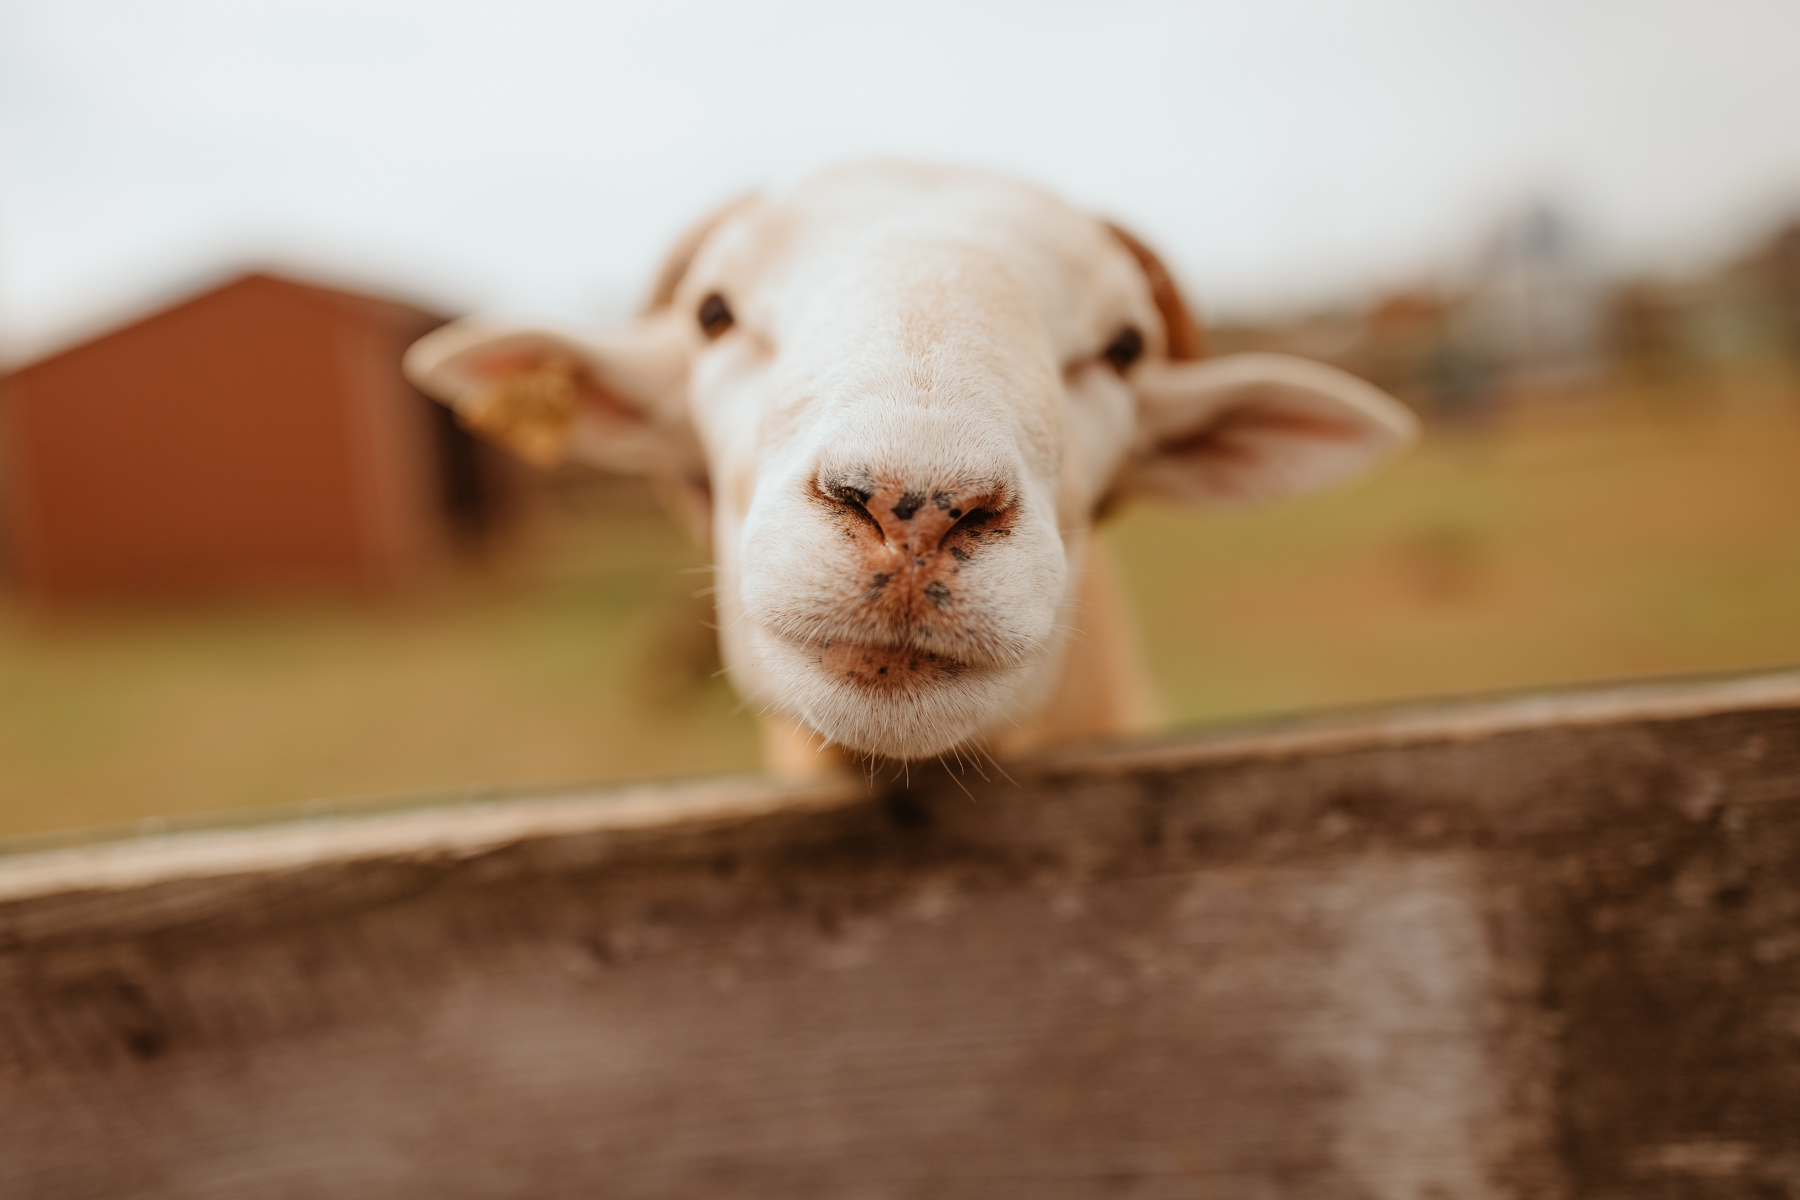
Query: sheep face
point(895, 399)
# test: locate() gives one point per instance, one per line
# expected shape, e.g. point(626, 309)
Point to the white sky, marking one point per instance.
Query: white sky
point(538, 154)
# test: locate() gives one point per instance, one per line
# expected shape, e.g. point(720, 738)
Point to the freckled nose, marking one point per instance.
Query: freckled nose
point(915, 540)
point(919, 520)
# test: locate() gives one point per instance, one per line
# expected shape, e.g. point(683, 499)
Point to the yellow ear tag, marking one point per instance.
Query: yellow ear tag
point(528, 412)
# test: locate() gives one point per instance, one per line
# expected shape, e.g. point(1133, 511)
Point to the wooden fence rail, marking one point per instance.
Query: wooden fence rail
point(1532, 947)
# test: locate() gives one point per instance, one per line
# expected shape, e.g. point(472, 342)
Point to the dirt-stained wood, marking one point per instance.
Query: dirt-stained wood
point(1536, 947)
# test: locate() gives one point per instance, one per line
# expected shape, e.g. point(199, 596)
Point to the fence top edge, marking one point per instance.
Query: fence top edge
point(458, 831)
point(341, 835)
point(1455, 720)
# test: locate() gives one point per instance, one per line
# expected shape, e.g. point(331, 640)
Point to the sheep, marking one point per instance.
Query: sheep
point(896, 399)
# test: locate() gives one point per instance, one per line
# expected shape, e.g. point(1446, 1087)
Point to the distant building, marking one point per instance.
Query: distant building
point(256, 438)
point(1776, 266)
point(1535, 310)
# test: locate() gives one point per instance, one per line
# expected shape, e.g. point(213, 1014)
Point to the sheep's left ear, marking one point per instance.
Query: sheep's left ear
point(1247, 428)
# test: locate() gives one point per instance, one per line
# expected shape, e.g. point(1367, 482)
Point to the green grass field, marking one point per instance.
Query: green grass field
point(1601, 537)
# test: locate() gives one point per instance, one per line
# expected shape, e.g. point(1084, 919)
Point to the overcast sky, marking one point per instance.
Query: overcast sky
point(537, 154)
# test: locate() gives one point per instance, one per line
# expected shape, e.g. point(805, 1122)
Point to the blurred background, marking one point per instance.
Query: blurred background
point(242, 564)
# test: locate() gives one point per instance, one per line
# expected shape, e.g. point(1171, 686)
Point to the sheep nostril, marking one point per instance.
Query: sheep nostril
point(975, 518)
point(855, 501)
point(975, 526)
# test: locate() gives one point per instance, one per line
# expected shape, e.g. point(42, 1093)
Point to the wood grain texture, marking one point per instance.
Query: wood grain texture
point(1532, 948)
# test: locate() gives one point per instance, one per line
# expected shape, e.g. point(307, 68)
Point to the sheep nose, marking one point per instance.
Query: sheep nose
point(913, 543)
point(921, 521)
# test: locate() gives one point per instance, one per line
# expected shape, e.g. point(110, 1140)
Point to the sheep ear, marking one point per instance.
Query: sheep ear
point(1249, 428)
point(615, 399)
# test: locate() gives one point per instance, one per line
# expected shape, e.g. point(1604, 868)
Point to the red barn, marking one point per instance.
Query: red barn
point(258, 437)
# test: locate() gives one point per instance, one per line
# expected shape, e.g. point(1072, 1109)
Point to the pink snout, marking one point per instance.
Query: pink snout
point(913, 542)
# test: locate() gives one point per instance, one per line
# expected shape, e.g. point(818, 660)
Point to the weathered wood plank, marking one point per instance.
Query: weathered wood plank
point(1524, 948)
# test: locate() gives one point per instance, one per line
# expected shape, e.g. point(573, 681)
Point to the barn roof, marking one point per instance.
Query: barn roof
point(374, 301)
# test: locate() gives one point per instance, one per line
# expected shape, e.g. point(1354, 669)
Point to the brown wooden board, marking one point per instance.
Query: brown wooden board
point(1536, 947)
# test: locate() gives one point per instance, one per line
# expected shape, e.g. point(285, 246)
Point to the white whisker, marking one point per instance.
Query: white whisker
point(995, 763)
point(955, 777)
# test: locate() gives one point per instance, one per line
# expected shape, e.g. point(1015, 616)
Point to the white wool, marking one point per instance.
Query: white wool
point(927, 332)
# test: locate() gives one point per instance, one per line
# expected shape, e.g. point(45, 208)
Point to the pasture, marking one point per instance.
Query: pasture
point(1600, 534)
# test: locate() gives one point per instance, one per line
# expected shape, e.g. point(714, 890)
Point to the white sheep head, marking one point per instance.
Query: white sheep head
point(896, 398)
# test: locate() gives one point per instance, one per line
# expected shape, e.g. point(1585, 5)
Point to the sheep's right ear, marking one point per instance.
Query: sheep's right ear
point(616, 400)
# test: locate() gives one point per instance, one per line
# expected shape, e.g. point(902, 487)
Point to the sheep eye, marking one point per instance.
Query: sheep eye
point(1124, 349)
point(715, 315)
